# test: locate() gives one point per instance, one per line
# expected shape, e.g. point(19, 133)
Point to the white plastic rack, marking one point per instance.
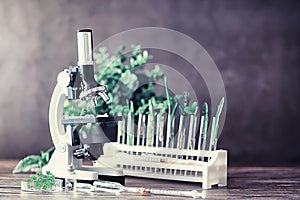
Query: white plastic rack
point(160, 161)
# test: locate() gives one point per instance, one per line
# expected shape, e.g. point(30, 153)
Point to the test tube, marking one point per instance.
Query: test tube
point(139, 129)
point(143, 129)
point(130, 131)
point(123, 129)
point(150, 130)
point(181, 132)
point(192, 130)
point(120, 131)
point(172, 138)
point(160, 129)
point(201, 140)
point(169, 124)
point(212, 134)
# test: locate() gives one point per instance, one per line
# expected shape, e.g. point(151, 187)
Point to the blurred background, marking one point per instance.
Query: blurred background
point(255, 44)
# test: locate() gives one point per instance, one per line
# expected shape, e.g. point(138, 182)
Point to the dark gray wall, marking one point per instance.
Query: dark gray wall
point(254, 43)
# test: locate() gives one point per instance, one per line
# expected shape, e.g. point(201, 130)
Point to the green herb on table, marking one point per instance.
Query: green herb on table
point(34, 161)
point(42, 182)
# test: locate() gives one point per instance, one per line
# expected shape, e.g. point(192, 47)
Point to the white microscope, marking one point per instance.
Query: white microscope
point(72, 84)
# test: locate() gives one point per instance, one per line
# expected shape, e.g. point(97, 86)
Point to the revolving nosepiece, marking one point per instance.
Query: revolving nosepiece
point(93, 92)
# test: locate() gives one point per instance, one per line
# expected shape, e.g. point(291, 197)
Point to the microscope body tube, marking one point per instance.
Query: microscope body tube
point(85, 58)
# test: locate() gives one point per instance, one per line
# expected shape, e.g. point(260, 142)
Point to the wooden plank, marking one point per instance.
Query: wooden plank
point(243, 183)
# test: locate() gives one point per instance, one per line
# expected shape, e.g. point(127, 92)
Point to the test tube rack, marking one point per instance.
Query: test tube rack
point(159, 160)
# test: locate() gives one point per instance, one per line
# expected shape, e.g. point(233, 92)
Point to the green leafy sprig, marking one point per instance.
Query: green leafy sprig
point(42, 182)
point(34, 161)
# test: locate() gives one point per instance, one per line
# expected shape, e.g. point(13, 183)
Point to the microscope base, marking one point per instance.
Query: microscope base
point(61, 159)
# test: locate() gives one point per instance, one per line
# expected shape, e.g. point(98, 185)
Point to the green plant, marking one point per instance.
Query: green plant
point(34, 161)
point(42, 182)
point(126, 80)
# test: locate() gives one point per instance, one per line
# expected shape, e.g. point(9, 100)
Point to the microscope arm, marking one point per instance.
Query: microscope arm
point(56, 109)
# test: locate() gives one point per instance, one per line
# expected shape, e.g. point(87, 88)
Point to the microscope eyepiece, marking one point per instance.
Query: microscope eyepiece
point(85, 47)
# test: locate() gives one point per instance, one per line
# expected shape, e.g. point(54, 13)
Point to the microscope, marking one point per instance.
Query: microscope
point(77, 83)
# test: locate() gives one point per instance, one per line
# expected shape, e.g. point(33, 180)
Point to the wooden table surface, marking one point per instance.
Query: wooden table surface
point(243, 183)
